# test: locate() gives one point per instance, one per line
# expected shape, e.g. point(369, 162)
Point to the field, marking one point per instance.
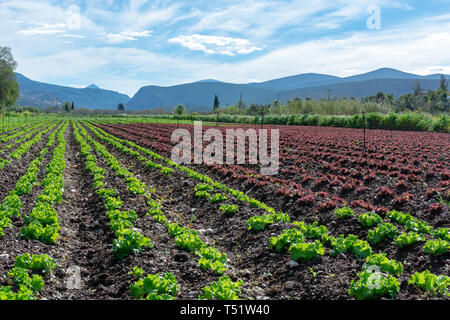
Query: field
point(104, 213)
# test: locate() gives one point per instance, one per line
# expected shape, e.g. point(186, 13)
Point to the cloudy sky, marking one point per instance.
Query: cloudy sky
point(123, 45)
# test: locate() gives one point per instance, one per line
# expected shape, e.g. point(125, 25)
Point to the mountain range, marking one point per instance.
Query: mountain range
point(199, 96)
point(43, 95)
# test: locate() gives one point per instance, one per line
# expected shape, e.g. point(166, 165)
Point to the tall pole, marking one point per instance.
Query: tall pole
point(364, 130)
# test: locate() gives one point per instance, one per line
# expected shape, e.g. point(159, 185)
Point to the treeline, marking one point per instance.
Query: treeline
point(391, 121)
point(432, 101)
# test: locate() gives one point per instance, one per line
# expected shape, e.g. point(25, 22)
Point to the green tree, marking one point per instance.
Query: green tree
point(120, 107)
point(67, 106)
point(180, 110)
point(216, 103)
point(418, 90)
point(9, 88)
point(72, 107)
point(444, 83)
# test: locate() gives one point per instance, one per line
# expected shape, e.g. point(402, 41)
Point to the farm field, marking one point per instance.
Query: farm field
point(98, 210)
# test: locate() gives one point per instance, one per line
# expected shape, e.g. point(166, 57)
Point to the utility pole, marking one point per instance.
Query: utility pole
point(279, 104)
point(241, 102)
point(329, 93)
point(364, 130)
point(262, 115)
point(187, 112)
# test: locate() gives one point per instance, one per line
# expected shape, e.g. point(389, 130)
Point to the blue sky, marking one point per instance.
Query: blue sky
point(124, 45)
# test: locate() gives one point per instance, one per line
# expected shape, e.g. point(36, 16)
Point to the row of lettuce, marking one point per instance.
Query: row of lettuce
point(27, 275)
point(152, 286)
point(294, 239)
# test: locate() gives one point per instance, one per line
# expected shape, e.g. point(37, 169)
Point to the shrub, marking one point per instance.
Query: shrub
point(223, 289)
point(344, 213)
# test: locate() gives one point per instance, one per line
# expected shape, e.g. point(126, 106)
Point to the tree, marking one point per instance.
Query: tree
point(180, 110)
point(67, 106)
point(9, 88)
point(418, 90)
point(216, 103)
point(120, 107)
point(72, 107)
point(444, 83)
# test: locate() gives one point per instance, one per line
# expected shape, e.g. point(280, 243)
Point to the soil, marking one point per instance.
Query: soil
point(86, 241)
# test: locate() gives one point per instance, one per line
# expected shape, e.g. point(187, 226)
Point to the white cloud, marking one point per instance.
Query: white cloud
point(262, 19)
point(128, 36)
point(42, 29)
point(215, 44)
point(419, 48)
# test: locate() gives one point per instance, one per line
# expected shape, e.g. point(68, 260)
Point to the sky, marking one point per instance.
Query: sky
point(124, 45)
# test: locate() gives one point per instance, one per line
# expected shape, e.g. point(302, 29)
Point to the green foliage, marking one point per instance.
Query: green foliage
point(430, 282)
point(410, 223)
point(383, 231)
point(137, 272)
point(258, 223)
point(380, 260)
point(212, 259)
point(135, 186)
point(281, 217)
point(43, 222)
point(112, 203)
point(204, 187)
point(128, 241)
point(436, 247)
point(22, 279)
point(285, 239)
point(442, 233)
point(370, 219)
point(408, 239)
point(312, 231)
point(10, 206)
point(306, 251)
point(42, 262)
point(9, 88)
point(217, 197)
point(102, 192)
point(223, 289)
point(27, 286)
point(47, 234)
point(229, 208)
point(202, 194)
point(119, 220)
point(344, 213)
point(154, 287)
point(374, 285)
point(189, 240)
point(216, 266)
point(351, 243)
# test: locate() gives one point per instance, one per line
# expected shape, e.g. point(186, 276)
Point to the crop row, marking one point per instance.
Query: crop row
point(24, 147)
point(12, 204)
point(185, 238)
point(359, 247)
point(27, 287)
point(23, 139)
point(330, 160)
point(43, 223)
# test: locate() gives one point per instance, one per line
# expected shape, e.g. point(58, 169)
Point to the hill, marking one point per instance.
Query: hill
point(200, 95)
point(42, 95)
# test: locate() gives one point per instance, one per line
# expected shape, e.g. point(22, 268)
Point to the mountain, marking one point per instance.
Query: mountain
point(360, 89)
point(200, 95)
point(296, 82)
point(42, 95)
